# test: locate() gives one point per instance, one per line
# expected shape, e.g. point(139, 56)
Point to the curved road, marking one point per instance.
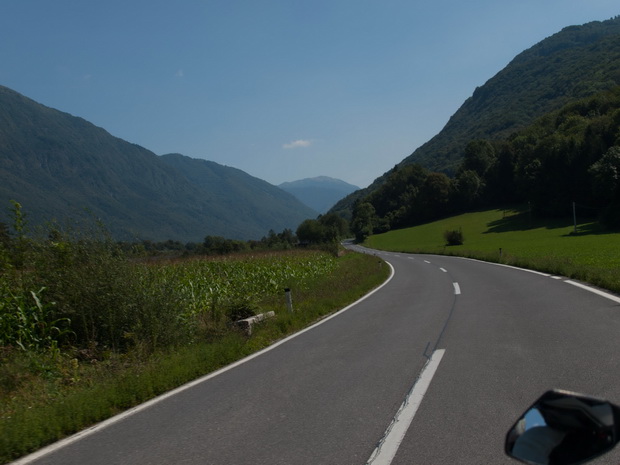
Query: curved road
point(498, 337)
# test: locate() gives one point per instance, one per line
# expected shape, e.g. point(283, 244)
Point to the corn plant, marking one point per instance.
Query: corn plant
point(208, 287)
point(29, 323)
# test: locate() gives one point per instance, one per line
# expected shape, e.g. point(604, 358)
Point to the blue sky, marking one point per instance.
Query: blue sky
point(282, 89)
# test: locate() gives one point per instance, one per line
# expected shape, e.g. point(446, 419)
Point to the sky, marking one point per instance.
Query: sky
point(281, 89)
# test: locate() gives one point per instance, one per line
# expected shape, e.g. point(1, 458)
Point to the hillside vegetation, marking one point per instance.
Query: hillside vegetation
point(570, 156)
point(575, 63)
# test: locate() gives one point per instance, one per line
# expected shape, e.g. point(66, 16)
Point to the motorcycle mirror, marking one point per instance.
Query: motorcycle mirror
point(564, 428)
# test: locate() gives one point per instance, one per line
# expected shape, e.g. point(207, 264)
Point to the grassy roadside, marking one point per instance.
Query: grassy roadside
point(513, 237)
point(44, 410)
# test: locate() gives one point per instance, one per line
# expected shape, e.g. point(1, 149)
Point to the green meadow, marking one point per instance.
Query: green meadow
point(514, 237)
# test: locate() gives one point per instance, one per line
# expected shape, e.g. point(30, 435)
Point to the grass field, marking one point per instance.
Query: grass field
point(514, 237)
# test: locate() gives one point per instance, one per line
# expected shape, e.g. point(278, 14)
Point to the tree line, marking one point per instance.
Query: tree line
point(570, 155)
point(327, 229)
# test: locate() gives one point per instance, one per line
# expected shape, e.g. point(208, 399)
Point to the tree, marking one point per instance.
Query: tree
point(479, 156)
point(364, 218)
point(310, 232)
point(606, 175)
point(402, 183)
point(467, 188)
point(222, 246)
point(287, 238)
point(606, 181)
point(434, 196)
point(500, 177)
point(334, 227)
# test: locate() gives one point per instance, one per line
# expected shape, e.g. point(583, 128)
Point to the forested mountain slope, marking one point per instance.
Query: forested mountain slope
point(567, 160)
point(61, 167)
point(231, 191)
point(577, 62)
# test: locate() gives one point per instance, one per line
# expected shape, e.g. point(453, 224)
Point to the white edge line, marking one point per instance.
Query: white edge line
point(385, 452)
point(574, 283)
point(594, 290)
point(503, 265)
point(121, 416)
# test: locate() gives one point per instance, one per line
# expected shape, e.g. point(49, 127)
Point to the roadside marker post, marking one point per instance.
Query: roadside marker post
point(289, 300)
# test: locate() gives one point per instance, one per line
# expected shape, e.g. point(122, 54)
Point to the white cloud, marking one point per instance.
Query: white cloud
point(299, 143)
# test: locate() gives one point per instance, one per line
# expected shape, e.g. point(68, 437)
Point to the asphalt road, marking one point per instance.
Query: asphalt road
point(328, 395)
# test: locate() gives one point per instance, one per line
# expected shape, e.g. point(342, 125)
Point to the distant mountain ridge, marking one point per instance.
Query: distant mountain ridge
point(62, 167)
point(253, 200)
point(577, 62)
point(319, 193)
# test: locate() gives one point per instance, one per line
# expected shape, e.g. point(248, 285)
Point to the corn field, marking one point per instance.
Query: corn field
point(83, 292)
point(212, 286)
point(90, 296)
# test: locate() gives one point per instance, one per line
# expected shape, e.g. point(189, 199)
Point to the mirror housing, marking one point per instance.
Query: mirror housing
point(564, 428)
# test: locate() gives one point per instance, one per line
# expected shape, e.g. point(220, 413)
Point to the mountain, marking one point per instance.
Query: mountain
point(320, 193)
point(60, 167)
point(253, 201)
point(577, 62)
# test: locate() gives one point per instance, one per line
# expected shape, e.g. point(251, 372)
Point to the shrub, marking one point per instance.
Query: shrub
point(453, 237)
point(241, 308)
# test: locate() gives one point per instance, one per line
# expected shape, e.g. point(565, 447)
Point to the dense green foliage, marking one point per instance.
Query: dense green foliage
point(323, 233)
point(575, 63)
point(568, 157)
point(326, 229)
point(211, 245)
point(63, 168)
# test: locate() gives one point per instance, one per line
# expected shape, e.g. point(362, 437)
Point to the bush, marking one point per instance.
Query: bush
point(241, 308)
point(453, 237)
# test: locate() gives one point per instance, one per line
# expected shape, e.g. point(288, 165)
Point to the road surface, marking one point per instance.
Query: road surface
point(497, 336)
